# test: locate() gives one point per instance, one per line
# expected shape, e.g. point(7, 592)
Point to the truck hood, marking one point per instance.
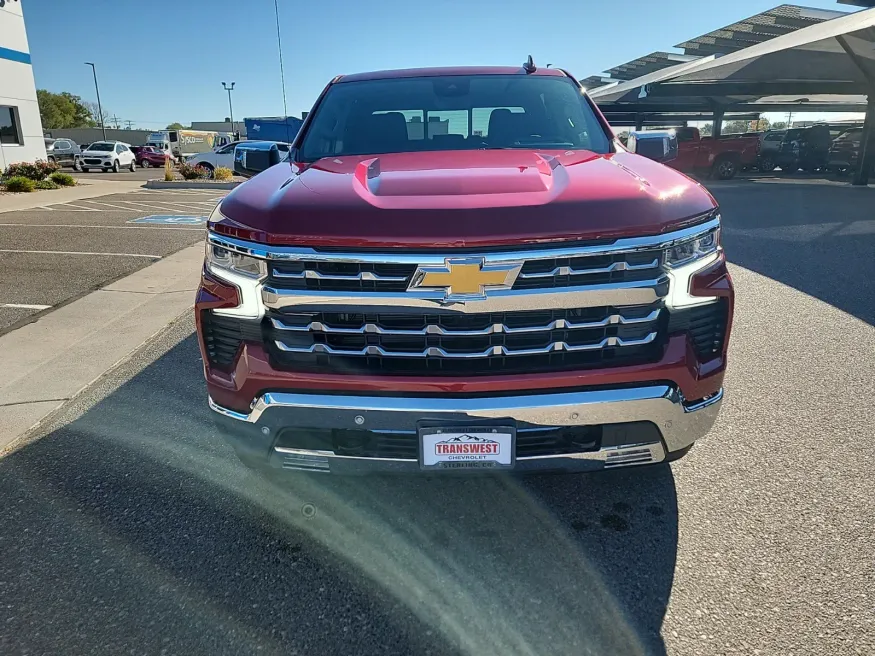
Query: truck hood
point(458, 199)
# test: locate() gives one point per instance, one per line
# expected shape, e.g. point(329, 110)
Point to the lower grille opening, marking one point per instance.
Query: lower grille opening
point(473, 344)
point(541, 441)
point(223, 336)
point(705, 324)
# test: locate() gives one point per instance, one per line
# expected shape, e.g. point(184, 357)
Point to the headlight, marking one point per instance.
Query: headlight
point(693, 248)
point(224, 259)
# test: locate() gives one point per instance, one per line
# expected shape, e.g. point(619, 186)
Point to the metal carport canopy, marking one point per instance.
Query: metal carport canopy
point(833, 57)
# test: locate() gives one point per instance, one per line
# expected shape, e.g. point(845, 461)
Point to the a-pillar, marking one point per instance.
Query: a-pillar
point(866, 160)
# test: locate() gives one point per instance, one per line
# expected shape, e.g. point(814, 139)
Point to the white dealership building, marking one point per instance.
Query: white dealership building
point(21, 132)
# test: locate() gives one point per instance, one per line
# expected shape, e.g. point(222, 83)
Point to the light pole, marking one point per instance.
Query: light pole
point(97, 89)
point(230, 106)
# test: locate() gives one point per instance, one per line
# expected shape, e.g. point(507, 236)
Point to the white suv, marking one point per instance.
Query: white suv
point(224, 156)
point(108, 155)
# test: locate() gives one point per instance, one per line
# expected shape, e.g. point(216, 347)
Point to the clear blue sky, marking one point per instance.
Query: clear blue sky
point(160, 61)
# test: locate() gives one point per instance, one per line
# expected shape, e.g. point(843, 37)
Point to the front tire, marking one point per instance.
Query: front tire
point(145, 164)
point(133, 166)
point(77, 165)
point(674, 456)
point(725, 168)
point(115, 167)
point(767, 165)
point(211, 172)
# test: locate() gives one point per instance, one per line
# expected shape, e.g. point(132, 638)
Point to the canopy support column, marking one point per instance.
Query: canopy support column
point(866, 160)
point(639, 122)
point(717, 126)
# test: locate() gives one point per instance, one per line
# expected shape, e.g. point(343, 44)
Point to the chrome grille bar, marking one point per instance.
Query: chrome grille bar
point(570, 271)
point(434, 351)
point(316, 275)
point(376, 329)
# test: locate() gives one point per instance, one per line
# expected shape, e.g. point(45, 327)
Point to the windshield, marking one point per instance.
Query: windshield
point(101, 147)
point(452, 113)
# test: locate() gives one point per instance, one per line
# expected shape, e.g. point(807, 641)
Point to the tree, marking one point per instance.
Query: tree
point(735, 127)
point(779, 125)
point(705, 130)
point(94, 111)
point(62, 110)
point(175, 126)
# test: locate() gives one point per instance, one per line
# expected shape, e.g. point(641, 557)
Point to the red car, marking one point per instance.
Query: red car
point(150, 156)
point(462, 269)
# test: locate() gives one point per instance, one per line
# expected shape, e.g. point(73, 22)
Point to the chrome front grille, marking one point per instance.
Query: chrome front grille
point(463, 312)
point(536, 273)
point(467, 343)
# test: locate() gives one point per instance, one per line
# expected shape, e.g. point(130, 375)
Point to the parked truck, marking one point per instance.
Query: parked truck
point(721, 158)
point(528, 296)
point(184, 143)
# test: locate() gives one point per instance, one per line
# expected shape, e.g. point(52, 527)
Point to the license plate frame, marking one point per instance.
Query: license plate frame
point(483, 435)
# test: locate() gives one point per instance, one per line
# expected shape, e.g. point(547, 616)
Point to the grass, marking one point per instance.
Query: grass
point(20, 184)
point(63, 179)
point(47, 184)
point(223, 174)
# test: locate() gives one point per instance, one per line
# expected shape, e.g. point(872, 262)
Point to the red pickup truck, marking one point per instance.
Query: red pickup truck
point(721, 158)
point(462, 269)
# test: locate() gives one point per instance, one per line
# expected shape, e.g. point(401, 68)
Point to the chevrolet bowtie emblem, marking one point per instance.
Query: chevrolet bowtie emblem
point(465, 278)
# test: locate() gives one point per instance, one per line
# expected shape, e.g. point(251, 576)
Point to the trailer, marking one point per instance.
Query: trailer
point(184, 143)
point(273, 128)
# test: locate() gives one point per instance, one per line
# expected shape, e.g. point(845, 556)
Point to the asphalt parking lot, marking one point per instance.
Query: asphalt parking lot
point(128, 527)
point(55, 253)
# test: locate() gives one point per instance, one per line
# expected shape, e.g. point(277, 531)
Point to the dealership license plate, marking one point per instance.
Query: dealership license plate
point(476, 447)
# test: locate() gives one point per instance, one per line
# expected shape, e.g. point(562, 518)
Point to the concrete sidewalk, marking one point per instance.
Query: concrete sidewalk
point(48, 362)
point(10, 202)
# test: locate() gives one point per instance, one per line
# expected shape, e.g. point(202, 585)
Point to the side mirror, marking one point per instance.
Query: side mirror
point(658, 146)
point(253, 157)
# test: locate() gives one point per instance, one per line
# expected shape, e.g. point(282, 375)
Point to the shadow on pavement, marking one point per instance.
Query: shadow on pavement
point(818, 239)
point(132, 529)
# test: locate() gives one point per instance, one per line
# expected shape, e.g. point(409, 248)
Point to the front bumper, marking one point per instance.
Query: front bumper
point(257, 435)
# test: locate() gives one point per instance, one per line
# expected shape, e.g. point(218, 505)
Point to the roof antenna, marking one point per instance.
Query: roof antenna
point(529, 66)
point(279, 43)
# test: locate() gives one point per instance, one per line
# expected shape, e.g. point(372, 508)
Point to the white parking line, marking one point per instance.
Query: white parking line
point(11, 250)
point(24, 306)
point(151, 206)
point(111, 227)
point(118, 207)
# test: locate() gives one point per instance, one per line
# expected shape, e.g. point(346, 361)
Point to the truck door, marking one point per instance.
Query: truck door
point(688, 149)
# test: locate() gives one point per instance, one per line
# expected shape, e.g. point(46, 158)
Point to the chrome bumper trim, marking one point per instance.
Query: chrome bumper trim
point(643, 292)
point(607, 458)
point(679, 423)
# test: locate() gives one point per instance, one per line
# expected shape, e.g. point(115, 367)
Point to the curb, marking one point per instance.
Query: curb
point(161, 184)
point(50, 361)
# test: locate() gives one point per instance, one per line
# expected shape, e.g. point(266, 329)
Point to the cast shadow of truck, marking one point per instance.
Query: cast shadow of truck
point(133, 528)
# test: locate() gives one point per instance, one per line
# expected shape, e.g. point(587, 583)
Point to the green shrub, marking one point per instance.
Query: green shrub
point(46, 184)
point(190, 172)
point(63, 179)
point(38, 170)
point(223, 173)
point(19, 183)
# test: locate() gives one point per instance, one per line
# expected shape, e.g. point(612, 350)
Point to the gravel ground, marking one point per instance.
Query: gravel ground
point(128, 527)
